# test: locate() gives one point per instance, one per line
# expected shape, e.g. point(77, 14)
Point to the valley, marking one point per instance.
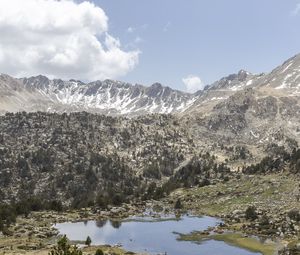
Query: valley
point(71, 151)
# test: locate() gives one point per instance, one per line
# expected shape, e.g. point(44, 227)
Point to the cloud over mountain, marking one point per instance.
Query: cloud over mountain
point(193, 83)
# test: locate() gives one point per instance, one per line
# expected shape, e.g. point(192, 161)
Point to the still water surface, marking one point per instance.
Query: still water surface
point(150, 235)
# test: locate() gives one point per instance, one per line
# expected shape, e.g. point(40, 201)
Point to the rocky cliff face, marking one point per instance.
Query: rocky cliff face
point(255, 108)
point(284, 78)
point(118, 98)
point(107, 97)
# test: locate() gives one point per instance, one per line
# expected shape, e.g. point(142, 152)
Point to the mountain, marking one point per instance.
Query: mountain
point(221, 90)
point(285, 77)
point(233, 82)
point(119, 98)
point(242, 123)
point(260, 113)
point(106, 97)
point(73, 155)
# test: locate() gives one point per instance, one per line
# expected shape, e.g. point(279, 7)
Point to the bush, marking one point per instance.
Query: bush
point(55, 206)
point(294, 215)
point(7, 216)
point(178, 204)
point(7, 232)
point(64, 248)
point(99, 252)
point(117, 199)
point(102, 201)
point(264, 221)
point(250, 213)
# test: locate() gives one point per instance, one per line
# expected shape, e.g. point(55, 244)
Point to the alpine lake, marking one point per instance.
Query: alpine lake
point(168, 234)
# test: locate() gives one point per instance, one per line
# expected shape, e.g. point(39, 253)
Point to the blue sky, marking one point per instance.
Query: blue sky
point(209, 39)
point(184, 44)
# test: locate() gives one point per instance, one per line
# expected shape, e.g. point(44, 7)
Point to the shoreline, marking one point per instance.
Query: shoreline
point(38, 232)
point(41, 244)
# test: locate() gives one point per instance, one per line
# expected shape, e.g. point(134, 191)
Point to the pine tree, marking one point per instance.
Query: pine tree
point(178, 204)
point(88, 241)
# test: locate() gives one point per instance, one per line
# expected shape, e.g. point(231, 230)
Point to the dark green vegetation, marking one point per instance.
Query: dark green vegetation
point(251, 213)
point(9, 212)
point(178, 204)
point(63, 247)
point(88, 241)
point(83, 159)
point(99, 252)
point(77, 160)
point(80, 159)
point(280, 160)
point(201, 170)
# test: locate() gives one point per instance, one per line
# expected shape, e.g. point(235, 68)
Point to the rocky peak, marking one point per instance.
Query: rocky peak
point(285, 77)
point(155, 90)
point(39, 82)
point(156, 85)
point(233, 82)
point(118, 98)
point(76, 81)
point(243, 75)
point(106, 97)
point(8, 83)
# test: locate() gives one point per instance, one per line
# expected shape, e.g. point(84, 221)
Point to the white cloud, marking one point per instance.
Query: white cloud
point(130, 29)
point(193, 83)
point(60, 39)
point(296, 11)
point(135, 43)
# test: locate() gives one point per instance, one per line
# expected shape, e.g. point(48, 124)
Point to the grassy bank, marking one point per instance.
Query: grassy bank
point(86, 251)
point(234, 239)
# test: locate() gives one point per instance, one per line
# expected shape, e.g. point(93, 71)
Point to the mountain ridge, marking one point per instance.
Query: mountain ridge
point(107, 97)
point(111, 97)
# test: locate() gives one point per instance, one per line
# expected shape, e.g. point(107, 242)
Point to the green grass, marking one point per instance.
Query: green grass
point(247, 243)
point(234, 239)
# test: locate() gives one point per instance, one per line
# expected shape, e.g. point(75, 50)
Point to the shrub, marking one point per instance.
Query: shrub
point(99, 252)
point(294, 215)
point(178, 204)
point(64, 248)
point(250, 213)
point(264, 221)
point(55, 206)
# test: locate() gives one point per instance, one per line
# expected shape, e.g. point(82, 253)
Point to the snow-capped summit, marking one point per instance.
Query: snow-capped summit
point(107, 97)
point(112, 97)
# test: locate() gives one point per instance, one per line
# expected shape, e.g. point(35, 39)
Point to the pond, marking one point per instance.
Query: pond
point(150, 235)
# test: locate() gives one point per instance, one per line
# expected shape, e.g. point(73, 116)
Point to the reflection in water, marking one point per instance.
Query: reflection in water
point(115, 223)
point(100, 223)
point(150, 235)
